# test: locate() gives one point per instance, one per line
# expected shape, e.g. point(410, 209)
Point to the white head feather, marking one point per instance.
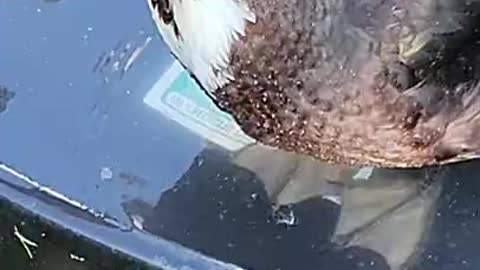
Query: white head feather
point(208, 29)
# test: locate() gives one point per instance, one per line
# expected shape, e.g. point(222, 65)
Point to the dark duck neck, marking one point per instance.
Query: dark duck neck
point(335, 80)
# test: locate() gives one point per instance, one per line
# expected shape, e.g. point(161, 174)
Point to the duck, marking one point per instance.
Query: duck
point(368, 83)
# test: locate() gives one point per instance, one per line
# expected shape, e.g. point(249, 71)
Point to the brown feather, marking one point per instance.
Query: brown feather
point(314, 77)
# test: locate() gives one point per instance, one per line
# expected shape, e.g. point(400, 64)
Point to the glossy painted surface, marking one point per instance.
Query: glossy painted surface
point(65, 109)
point(67, 124)
point(80, 147)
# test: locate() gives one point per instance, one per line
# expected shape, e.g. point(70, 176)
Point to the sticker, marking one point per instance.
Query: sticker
point(178, 96)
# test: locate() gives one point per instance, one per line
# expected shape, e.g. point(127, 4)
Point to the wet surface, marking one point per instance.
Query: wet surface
point(104, 151)
point(68, 110)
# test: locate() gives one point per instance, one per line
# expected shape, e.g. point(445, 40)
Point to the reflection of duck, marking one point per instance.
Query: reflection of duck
point(224, 200)
point(329, 79)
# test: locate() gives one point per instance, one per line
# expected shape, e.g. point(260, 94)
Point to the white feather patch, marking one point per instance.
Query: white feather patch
point(208, 29)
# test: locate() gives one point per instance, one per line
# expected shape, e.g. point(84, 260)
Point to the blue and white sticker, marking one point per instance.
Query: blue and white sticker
point(177, 96)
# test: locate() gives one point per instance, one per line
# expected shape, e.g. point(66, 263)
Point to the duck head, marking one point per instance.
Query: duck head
point(201, 34)
point(343, 81)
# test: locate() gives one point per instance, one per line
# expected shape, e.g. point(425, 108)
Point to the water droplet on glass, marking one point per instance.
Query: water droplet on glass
point(106, 173)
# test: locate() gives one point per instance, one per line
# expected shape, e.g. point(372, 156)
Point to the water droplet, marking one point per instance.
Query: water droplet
point(106, 173)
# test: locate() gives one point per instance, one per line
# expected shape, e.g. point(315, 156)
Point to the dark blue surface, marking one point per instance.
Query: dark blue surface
point(66, 123)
